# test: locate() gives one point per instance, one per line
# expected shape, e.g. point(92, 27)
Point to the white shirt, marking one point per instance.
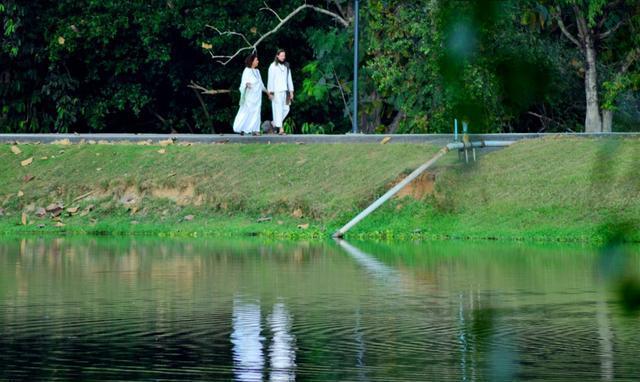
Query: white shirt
point(277, 81)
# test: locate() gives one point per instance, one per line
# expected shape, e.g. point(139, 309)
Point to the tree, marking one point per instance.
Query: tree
point(325, 75)
point(595, 22)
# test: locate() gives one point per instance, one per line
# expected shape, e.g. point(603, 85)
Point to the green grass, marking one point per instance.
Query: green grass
point(551, 189)
point(226, 187)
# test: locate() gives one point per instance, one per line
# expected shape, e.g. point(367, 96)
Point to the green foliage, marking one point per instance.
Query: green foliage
point(112, 66)
point(437, 61)
point(314, 128)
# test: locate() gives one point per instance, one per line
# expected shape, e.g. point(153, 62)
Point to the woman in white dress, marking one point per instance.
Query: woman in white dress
point(251, 87)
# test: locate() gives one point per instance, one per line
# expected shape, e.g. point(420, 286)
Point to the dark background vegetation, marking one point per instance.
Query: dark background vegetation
point(125, 66)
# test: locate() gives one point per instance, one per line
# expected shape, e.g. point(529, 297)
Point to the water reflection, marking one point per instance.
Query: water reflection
point(376, 268)
point(248, 360)
point(248, 343)
point(251, 311)
point(282, 354)
point(605, 334)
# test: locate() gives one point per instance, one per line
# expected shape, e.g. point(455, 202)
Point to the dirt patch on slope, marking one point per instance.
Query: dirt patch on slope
point(181, 196)
point(420, 187)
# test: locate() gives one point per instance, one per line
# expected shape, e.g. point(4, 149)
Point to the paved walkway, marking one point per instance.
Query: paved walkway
point(438, 139)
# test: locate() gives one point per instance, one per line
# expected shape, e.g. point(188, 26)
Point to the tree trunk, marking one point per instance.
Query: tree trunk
point(607, 121)
point(593, 121)
point(396, 122)
point(371, 113)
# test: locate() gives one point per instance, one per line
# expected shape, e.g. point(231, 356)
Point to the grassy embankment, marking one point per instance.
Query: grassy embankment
point(551, 189)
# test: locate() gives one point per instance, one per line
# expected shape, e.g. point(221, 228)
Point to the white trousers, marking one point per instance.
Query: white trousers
point(279, 108)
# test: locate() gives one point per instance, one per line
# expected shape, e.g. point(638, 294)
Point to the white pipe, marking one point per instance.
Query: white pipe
point(389, 194)
point(460, 145)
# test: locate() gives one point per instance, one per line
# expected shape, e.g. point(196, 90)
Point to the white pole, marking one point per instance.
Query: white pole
point(389, 194)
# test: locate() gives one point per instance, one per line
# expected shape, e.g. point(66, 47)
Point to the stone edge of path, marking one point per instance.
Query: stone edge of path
point(440, 139)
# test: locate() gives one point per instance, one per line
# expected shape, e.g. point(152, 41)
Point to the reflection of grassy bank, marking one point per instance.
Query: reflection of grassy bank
point(551, 189)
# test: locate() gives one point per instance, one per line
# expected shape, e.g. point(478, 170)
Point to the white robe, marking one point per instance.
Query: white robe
point(248, 118)
point(277, 83)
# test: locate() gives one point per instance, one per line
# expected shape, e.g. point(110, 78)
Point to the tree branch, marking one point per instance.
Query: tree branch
point(630, 59)
point(267, 8)
point(204, 90)
point(335, 2)
point(225, 59)
point(563, 28)
point(608, 33)
point(230, 33)
point(583, 30)
point(344, 98)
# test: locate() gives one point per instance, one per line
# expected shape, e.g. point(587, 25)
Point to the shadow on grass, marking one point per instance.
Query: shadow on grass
point(619, 228)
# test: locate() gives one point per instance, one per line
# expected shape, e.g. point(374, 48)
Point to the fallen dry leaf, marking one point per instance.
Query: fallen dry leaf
point(26, 162)
point(16, 150)
point(385, 140)
point(166, 142)
point(128, 199)
point(20, 193)
point(188, 218)
point(303, 226)
point(297, 213)
point(24, 219)
point(162, 151)
point(59, 224)
point(72, 210)
point(54, 207)
point(28, 178)
point(83, 196)
point(87, 210)
point(40, 212)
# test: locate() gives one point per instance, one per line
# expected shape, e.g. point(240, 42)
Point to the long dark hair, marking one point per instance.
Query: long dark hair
point(278, 61)
point(248, 62)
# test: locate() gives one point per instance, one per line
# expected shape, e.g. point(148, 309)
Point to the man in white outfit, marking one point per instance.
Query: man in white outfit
point(280, 86)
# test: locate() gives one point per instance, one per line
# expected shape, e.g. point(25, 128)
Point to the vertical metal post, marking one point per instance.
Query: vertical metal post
point(355, 67)
point(455, 130)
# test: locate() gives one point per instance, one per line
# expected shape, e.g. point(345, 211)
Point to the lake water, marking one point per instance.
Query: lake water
point(143, 309)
